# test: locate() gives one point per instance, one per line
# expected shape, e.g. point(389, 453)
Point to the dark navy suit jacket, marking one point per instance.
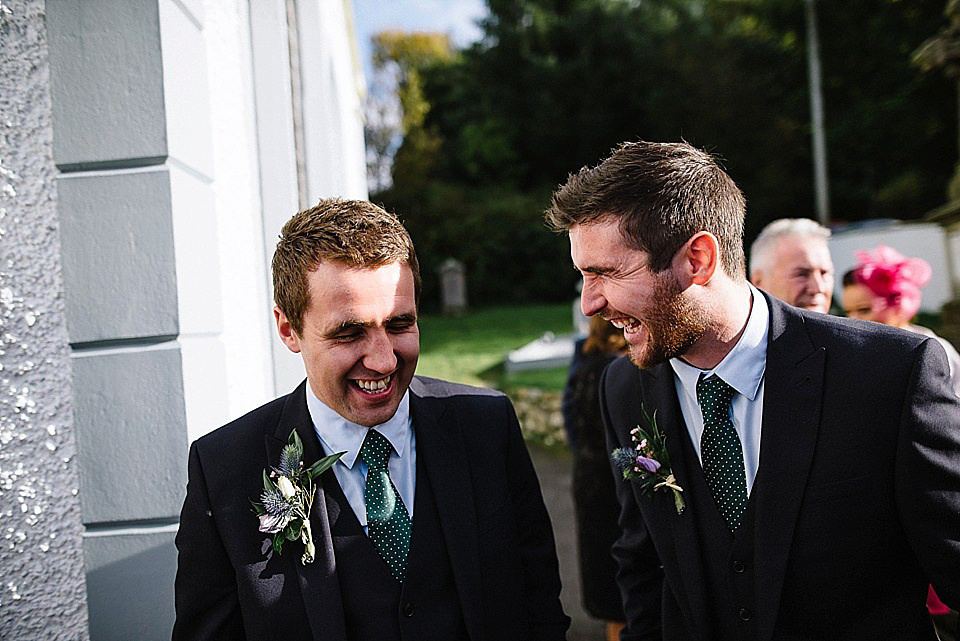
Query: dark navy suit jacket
point(856, 500)
point(231, 586)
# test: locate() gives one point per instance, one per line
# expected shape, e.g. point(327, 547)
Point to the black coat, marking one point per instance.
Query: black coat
point(230, 586)
point(856, 500)
point(594, 493)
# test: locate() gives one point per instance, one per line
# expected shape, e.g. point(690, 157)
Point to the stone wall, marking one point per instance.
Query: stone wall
point(539, 415)
point(42, 594)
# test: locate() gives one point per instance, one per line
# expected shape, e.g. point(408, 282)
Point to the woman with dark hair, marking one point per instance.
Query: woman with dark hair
point(594, 494)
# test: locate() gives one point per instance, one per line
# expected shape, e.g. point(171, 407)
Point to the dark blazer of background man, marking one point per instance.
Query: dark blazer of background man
point(855, 503)
point(482, 562)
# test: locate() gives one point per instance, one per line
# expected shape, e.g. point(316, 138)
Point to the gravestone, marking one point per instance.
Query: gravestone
point(453, 287)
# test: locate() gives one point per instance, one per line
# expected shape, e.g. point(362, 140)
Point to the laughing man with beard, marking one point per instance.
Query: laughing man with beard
point(813, 462)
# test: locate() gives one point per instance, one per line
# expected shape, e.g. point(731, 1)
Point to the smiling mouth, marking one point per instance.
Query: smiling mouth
point(374, 385)
point(627, 324)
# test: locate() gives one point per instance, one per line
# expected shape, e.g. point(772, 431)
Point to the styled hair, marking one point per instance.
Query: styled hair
point(893, 279)
point(763, 248)
point(352, 232)
point(661, 194)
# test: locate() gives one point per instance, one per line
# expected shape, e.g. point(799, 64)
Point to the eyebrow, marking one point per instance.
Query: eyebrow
point(356, 324)
point(348, 324)
point(594, 270)
point(407, 318)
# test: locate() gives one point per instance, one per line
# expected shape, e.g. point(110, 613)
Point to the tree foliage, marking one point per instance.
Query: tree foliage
point(554, 84)
point(396, 106)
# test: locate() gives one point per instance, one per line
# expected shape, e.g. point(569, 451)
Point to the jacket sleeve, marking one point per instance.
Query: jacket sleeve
point(928, 471)
point(540, 571)
point(206, 599)
point(639, 571)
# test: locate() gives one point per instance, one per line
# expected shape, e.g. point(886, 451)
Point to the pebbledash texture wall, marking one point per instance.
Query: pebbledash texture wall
point(149, 152)
point(42, 588)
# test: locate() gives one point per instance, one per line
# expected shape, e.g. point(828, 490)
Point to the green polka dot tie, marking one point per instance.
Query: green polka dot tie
point(388, 522)
point(720, 450)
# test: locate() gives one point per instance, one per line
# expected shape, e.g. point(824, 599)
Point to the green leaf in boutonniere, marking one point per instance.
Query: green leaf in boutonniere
point(288, 490)
point(648, 464)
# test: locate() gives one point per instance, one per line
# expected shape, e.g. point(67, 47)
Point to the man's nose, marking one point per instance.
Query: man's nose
point(380, 356)
point(591, 299)
point(818, 281)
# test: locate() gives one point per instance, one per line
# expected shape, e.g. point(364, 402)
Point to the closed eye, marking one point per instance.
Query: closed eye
point(401, 324)
point(348, 336)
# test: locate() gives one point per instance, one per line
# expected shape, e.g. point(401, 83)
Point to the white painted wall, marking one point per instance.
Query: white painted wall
point(332, 90)
point(255, 185)
point(239, 239)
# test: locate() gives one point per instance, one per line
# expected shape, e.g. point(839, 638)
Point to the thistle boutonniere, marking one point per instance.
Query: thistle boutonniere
point(288, 489)
point(649, 463)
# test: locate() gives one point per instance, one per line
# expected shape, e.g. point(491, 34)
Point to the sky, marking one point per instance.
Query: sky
point(455, 17)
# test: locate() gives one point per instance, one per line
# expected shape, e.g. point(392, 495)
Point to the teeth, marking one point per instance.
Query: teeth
point(374, 386)
point(633, 328)
point(627, 324)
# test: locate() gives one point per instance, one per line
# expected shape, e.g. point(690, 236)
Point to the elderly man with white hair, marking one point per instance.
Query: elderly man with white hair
point(790, 260)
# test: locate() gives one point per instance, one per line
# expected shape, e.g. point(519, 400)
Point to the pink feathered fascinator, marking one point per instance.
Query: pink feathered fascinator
point(893, 278)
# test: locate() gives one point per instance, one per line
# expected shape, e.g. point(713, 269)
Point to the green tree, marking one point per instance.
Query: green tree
point(554, 84)
point(395, 131)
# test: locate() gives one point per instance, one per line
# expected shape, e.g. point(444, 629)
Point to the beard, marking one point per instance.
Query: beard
point(674, 323)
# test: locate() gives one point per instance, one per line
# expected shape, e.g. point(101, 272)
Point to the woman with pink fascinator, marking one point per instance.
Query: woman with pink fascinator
point(885, 287)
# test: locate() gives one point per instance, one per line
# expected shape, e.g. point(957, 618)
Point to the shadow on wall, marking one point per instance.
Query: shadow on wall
point(131, 598)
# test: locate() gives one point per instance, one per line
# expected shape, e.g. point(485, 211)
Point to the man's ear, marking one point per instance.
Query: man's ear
point(285, 329)
point(756, 278)
point(701, 257)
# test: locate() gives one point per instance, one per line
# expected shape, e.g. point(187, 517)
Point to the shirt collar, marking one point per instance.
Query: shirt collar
point(743, 366)
point(340, 435)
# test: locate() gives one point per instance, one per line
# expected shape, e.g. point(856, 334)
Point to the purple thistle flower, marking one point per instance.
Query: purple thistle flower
point(648, 464)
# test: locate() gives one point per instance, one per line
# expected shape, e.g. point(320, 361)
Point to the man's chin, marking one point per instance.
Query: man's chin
point(814, 307)
point(641, 356)
point(372, 418)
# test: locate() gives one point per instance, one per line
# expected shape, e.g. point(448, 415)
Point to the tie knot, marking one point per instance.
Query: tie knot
point(375, 450)
point(714, 396)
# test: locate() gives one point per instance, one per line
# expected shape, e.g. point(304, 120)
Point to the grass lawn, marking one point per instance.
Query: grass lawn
point(472, 348)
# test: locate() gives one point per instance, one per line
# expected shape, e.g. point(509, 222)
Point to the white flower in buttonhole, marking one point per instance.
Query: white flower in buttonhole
point(286, 488)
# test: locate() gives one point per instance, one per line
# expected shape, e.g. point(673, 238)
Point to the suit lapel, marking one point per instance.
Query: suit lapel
point(662, 396)
point(440, 450)
point(318, 580)
point(793, 386)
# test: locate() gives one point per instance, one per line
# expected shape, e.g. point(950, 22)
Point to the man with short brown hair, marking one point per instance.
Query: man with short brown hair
point(784, 474)
point(431, 524)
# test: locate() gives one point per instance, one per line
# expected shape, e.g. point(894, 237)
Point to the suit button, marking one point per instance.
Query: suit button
point(745, 614)
point(739, 567)
point(408, 609)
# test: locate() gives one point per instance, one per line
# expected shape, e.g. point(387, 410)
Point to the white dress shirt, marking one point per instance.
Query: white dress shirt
point(337, 434)
point(742, 368)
